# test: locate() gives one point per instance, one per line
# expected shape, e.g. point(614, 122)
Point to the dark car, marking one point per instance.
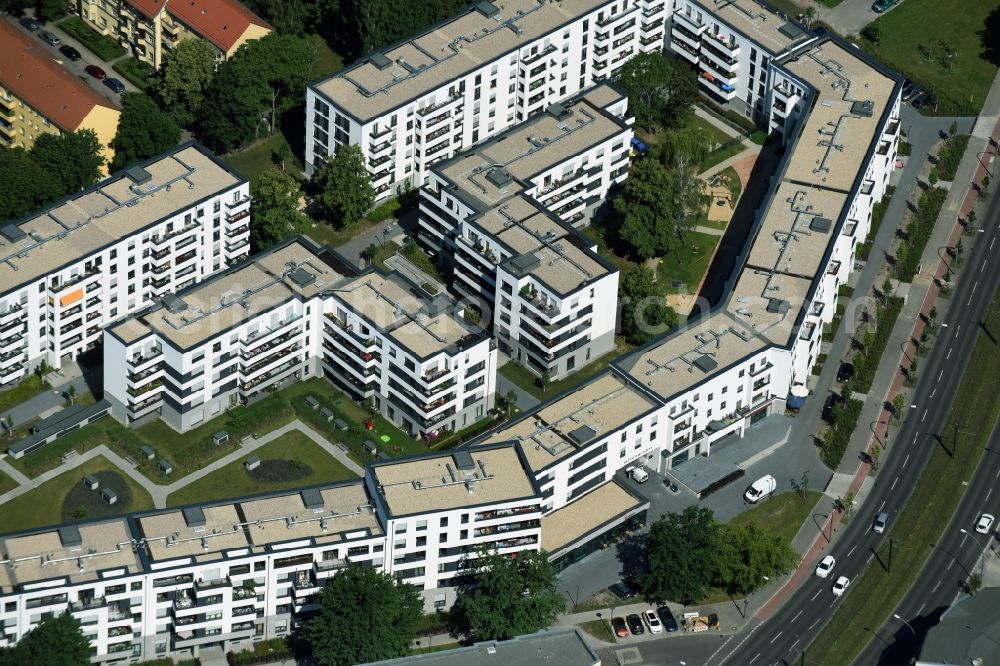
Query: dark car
point(619, 627)
point(882, 5)
point(845, 372)
point(910, 90)
point(635, 624)
point(30, 23)
point(832, 401)
point(922, 100)
point(820, 31)
point(623, 590)
point(667, 618)
point(70, 53)
point(95, 71)
point(115, 85)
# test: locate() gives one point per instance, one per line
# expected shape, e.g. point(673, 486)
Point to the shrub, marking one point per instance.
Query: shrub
point(949, 158)
point(102, 46)
point(866, 361)
point(918, 232)
point(838, 436)
point(721, 483)
point(264, 652)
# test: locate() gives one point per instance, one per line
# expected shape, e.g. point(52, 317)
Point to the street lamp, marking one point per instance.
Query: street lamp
point(896, 615)
point(873, 425)
point(982, 558)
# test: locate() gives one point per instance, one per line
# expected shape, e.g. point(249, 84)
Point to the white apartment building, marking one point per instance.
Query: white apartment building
point(292, 312)
point(171, 582)
point(470, 78)
point(732, 44)
point(500, 218)
point(68, 271)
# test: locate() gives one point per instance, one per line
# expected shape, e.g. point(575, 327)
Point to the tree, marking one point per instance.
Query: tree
point(692, 144)
point(873, 32)
point(989, 37)
point(143, 130)
point(975, 582)
point(898, 402)
point(73, 159)
point(276, 209)
point(747, 556)
point(875, 453)
point(505, 402)
point(25, 185)
point(390, 613)
point(680, 556)
point(372, 24)
point(347, 193)
point(809, 16)
point(644, 311)
point(803, 485)
point(56, 641)
point(183, 78)
point(370, 252)
point(544, 380)
point(660, 91)
point(71, 394)
point(647, 221)
point(509, 596)
point(50, 10)
point(9, 424)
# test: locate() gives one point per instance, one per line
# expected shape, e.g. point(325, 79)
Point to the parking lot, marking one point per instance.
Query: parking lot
point(75, 68)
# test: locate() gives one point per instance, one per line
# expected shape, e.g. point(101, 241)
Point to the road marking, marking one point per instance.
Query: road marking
point(924, 416)
point(968, 302)
point(814, 623)
point(852, 551)
point(776, 637)
point(949, 354)
point(993, 241)
point(920, 610)
point(998, 474)
point(989, 493)
point(938, 584)
point(906, 460)
point(962, 543)
point(881, 505)
point(940, 374)
point(948, 568)
point(933, 392)
point(984, 266)
point(815, 595)
point(756, 656)
point(792, 646)
point(869, 559)
point(894, 483)
point(976, 284)
point(796, 616)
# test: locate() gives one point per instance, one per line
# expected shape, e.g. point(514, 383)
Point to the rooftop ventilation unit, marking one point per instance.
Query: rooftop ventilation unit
point(777, 305)
point(499, 177)
point(463, 461)
point(301, 277)
point(69, 536)
point(558, 111)
point(194, 517)
point(863, 109)
point(138, 175)
point(174, 303)
point(379, 60)
point(705, 363)
point(312, 498)
point(821, 224)
point(582, 435)
point(12, 232)
point(488, 9)
point(523, 263)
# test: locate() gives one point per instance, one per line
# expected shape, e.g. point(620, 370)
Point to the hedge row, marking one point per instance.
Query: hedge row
point(949, 157)
point(838, 436)
point(918, 232)
point(873, 345)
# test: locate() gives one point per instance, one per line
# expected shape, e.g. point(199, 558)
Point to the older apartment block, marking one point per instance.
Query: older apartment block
point(68, 271)
point(297, 311)
point(470, 78)
point(173, 582)
point(501, 217)
point(38, 96)
point(151, 28)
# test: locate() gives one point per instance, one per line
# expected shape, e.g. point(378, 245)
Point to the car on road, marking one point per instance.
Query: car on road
point(841, 585)
point(825, 566)
point(831, 403)
point(881, 520)
point(30, 23)
point(880, 6)
point(635, 624)
point(845, 372)
point(653, 622)
point(95, 71)
point(115, 85)
point(667, 618)
point(761, 488)
point(71, 54)
point(623, 590)
point(985, 523)
point(49, 38)
point(618, 624)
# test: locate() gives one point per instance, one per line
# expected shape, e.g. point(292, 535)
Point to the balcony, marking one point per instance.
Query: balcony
point(427, 110)
point(140, 358)
point(271, 358)
point(236, 217)
point(136, 392)
point(161, 239)
point(202, 586)
point(605, 22)
point(833, 268)
point(57, 287)
point(807, 331)
point(136, 377)
point(379, 133)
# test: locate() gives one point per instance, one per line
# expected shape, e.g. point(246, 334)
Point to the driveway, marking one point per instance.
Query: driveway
point(76, 68)
point(849, 17)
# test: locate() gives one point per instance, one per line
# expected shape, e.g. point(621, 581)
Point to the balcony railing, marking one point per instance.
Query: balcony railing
point(160, 239)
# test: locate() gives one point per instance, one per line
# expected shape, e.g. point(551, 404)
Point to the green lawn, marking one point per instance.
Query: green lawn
point(135, 70)
point(914, 35)
point(600, 630)
point(689, 263)
point(44, 505)
point(28, 388)
point(103, 46)
point(290, 461)
point(528, 381)
point(875, 594)
point(720, 155)
point(781, 515)
point(258, 157)
point(6, 483)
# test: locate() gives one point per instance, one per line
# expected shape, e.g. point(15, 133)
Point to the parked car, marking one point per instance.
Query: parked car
point(825, 566)
point(71, 54)
point(832, 401)
point(95, 71)
point(845, 372)
point(922, 100)
point(761, 488)
point(880, 6)
point(881, 520)
point(667, 618)
point(911, 89)
point(635, 624)
point(653, 622)
point(623, 590)
point(841, 585)
point(115, 85)
point(618, 624)
point(985, 523)
point(30, 23)
point(49, 38)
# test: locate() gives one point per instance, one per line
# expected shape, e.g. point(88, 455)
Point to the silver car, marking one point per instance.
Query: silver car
point(880, 522)
point(49, 38)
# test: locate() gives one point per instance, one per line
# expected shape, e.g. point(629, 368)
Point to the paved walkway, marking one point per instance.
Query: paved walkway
point(47, 403)
point(160, 493)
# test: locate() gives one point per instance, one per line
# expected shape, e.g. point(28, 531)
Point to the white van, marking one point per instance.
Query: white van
point(761, 488)
point(638, 473)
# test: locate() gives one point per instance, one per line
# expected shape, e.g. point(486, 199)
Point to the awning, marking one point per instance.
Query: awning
point(71, 297)
point(708, 76)
point(800, 391)
point(795, 402)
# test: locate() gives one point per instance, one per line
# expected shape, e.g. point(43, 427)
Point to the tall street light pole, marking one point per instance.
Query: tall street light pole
point(896, 615)
point(982, 559)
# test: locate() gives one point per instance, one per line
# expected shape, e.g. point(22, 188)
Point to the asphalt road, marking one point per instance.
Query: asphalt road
point(781, 639)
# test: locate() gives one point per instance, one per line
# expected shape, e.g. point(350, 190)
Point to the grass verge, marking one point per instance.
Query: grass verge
point(44, 505)
point(528, 381)
point(136, 71)
point(781, 515)
point(102, 46)
point(6, 483)
point(876, 593)
point(689, 263)
point(258, 157)
point(290, 461)
point(599, 629)
point(26, 390)
point(937, 43)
